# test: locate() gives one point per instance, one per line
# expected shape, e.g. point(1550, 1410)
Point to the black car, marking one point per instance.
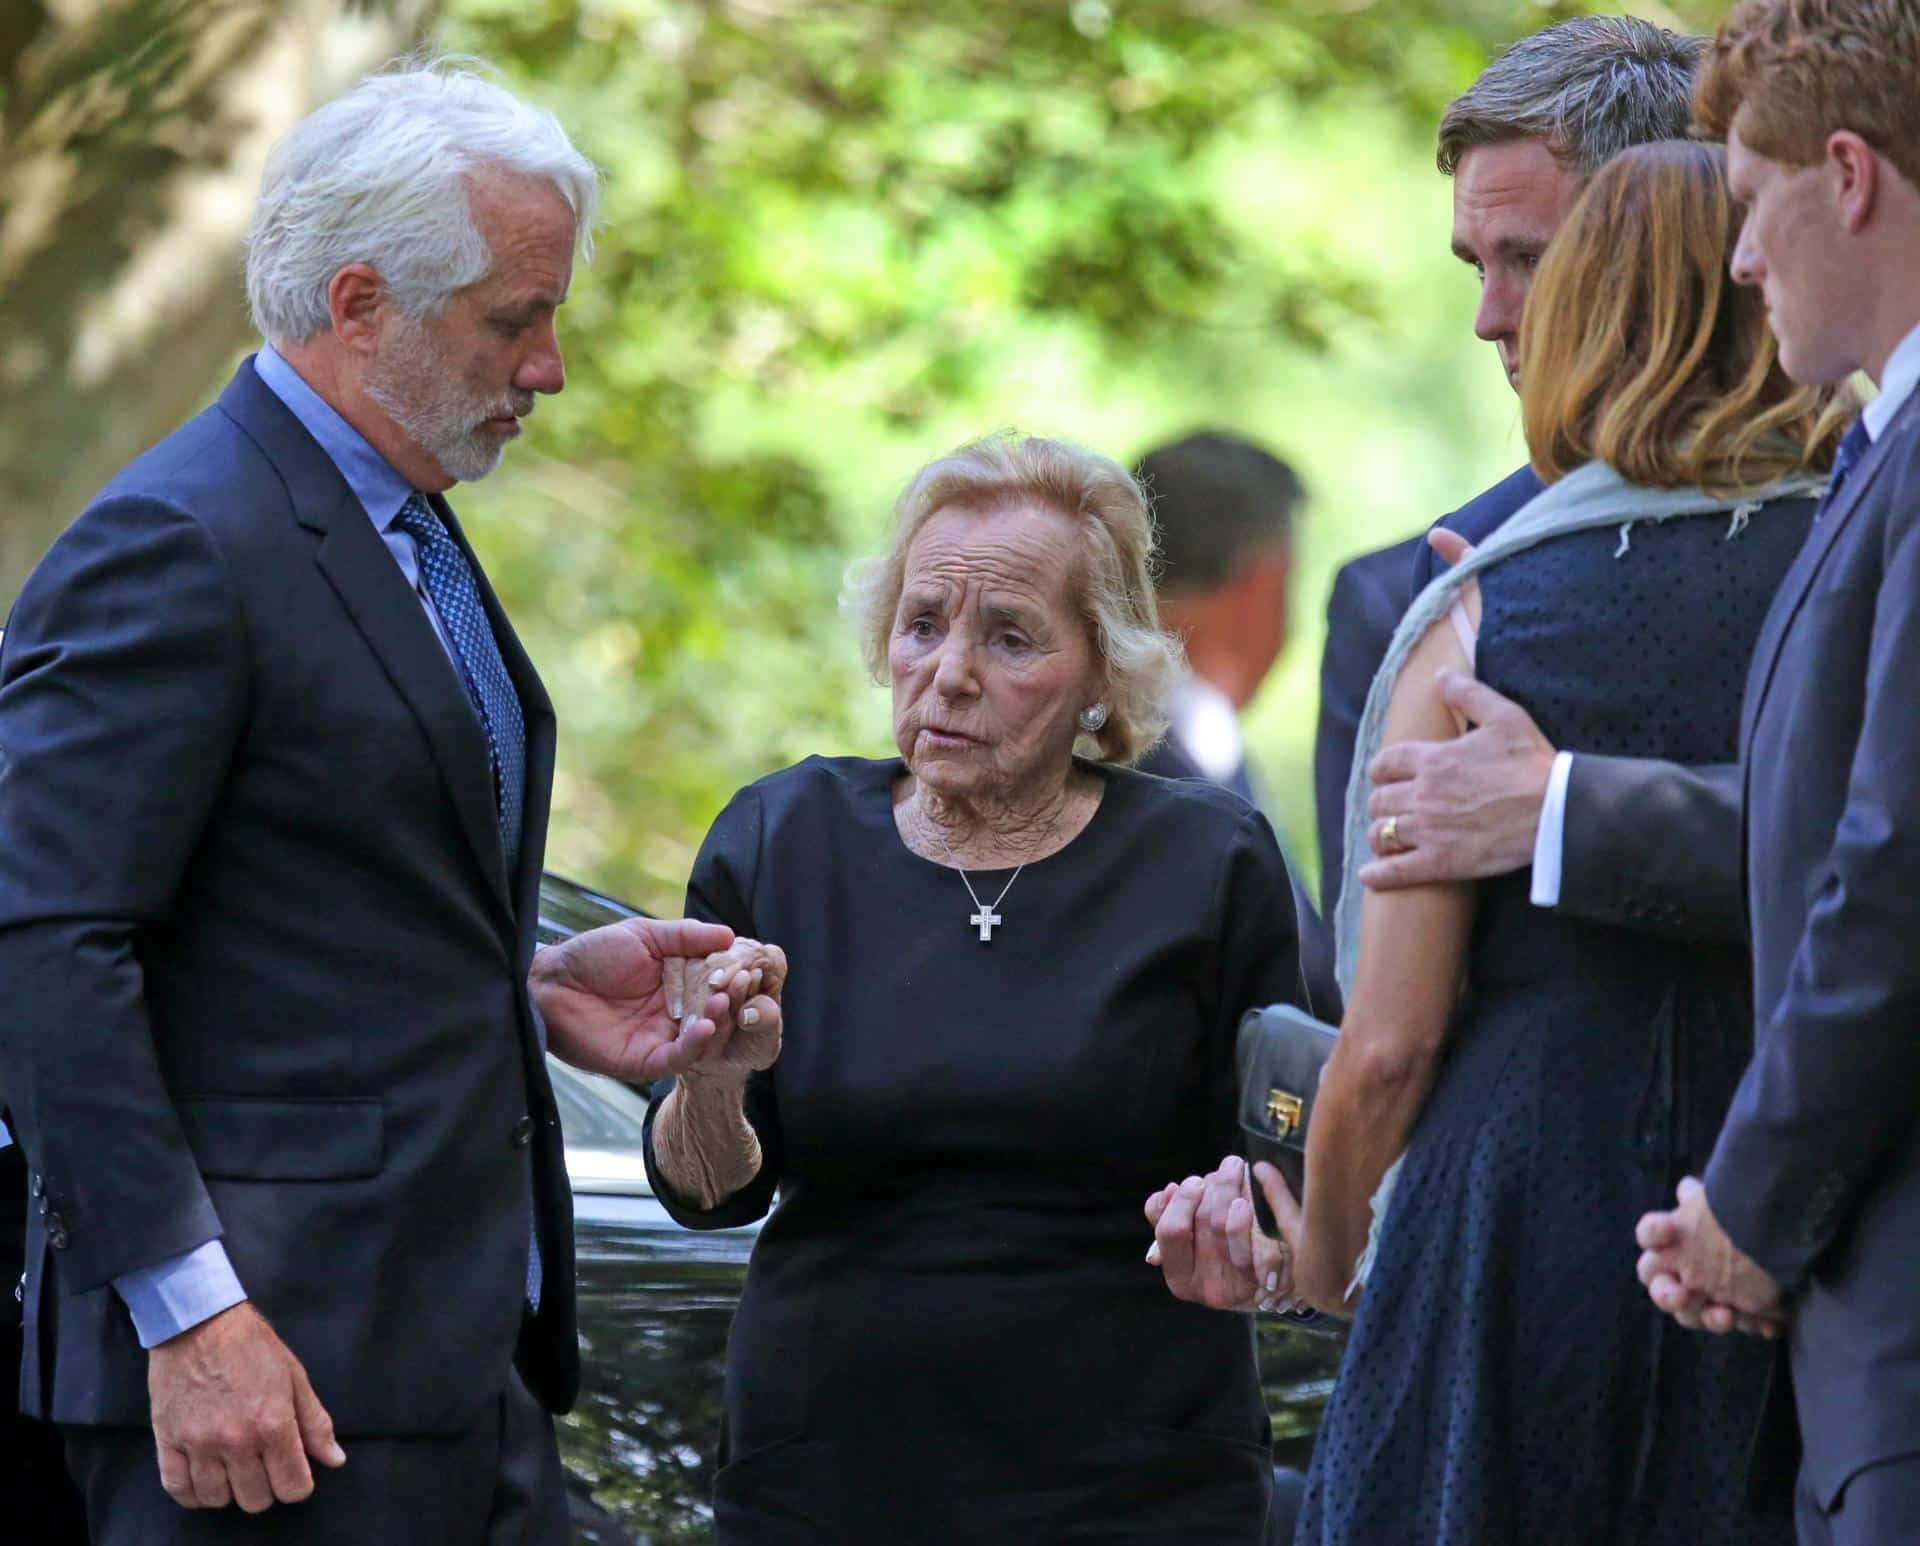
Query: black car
point(656, 1301)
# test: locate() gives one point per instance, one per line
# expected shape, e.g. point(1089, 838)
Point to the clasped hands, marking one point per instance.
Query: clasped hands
point(1210, 1250)
point(646, 998)
point(1696, 1274)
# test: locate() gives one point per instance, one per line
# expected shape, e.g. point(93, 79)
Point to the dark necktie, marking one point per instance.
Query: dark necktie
point(448, 580)
point(1853, 446)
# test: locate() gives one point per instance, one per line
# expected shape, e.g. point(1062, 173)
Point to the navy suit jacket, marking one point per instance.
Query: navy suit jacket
point(1817, 1172)
point(1368, 600)
point(1168, 760)
point(264, 957)
point(1478, 519)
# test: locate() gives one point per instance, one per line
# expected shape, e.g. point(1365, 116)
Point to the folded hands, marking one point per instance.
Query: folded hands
point(1211, 1252)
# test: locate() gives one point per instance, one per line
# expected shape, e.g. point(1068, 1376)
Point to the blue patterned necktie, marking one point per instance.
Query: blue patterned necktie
point(1853, 446)
point(449, 584)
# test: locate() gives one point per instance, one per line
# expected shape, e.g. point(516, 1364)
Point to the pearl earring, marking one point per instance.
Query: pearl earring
point(1093, 717)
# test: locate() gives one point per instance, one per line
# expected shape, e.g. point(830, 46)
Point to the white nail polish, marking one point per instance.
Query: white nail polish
point(716, 978)
point(1273, 1283)
point(750, 1017)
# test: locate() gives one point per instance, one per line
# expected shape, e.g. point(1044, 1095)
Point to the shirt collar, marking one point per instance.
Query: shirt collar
point(380, 490)
point(1897, 383)
point(1204, 723)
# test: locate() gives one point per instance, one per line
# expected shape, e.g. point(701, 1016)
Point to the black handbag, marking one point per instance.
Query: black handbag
point(1281, 1052)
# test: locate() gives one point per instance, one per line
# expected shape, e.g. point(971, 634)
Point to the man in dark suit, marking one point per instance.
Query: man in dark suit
point(1224, 511)
point(1810, 1208)
point(1643, 844)
point(274, 776)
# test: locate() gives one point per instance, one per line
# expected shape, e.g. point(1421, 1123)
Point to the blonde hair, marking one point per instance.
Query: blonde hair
point(1637, 349)
point(1113, 583)
point(1795, 71)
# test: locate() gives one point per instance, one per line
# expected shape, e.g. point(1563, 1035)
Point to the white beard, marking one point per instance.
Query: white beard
point(416, 387)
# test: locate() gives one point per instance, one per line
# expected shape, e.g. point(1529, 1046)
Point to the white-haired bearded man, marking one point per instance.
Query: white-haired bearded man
point(274, 776)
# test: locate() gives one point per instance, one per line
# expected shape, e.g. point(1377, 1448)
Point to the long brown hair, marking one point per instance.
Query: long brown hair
point(1638, 349)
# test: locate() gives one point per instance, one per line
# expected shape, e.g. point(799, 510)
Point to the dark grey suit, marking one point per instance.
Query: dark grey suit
point(1817, 1172)
point(265, 958)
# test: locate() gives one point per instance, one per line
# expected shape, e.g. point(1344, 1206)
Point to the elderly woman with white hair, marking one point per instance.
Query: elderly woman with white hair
point(1017, 971)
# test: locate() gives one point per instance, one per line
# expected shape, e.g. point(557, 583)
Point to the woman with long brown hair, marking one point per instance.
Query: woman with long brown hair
point(1512, 1088)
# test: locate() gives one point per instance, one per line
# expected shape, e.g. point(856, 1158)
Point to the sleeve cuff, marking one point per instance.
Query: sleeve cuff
point(1550, 842)
point(177, 1295)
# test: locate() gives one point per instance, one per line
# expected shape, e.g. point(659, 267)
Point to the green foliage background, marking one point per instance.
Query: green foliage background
point(840, 238)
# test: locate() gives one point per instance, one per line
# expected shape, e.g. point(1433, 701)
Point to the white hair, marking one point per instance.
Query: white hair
point(1139, 662)
point(379, 176)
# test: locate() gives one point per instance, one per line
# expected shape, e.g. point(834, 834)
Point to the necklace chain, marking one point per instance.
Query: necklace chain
point(985, 919)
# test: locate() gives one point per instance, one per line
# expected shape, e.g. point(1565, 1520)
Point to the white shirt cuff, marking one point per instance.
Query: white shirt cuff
point(1550, 841)
point(177, 1295)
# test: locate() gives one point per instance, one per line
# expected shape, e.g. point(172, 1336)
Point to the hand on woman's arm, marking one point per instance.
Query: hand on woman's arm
point(1413, 947)
point(703, 1143)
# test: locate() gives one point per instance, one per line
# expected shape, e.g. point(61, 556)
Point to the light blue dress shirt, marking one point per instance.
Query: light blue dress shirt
point(178, 1294)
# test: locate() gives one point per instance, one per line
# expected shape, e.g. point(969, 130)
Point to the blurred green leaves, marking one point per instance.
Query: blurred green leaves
point(839, 238)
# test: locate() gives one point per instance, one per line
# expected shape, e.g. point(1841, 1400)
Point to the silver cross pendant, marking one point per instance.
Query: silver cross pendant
point(986, 920)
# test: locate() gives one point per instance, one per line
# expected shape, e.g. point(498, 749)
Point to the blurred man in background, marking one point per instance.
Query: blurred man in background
point(1225, 511)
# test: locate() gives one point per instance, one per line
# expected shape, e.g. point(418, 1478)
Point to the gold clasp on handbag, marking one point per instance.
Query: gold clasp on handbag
point(1284, 1110)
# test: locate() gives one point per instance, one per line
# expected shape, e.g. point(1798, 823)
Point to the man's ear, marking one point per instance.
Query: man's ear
point(1855, 167)
point(357, 298)
point(1267, 585)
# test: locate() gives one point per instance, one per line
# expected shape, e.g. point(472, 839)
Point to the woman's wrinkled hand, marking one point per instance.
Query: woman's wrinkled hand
point(753, 976)
point(1208, 1247)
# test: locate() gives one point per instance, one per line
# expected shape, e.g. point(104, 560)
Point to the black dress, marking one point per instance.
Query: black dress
point(948, 1333)
point(1507, 1381)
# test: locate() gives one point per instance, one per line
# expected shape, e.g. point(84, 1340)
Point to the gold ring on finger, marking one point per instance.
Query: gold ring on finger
point(1390, 834)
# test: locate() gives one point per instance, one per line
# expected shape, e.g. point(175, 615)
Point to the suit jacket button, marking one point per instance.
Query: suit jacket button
point(523, 1132)
point(57, 1236)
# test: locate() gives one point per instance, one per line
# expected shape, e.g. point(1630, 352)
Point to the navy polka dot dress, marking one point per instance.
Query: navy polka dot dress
point(1506, 1379)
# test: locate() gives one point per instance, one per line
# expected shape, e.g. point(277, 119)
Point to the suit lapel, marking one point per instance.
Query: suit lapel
point(1799, 581)
point(388, 614)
